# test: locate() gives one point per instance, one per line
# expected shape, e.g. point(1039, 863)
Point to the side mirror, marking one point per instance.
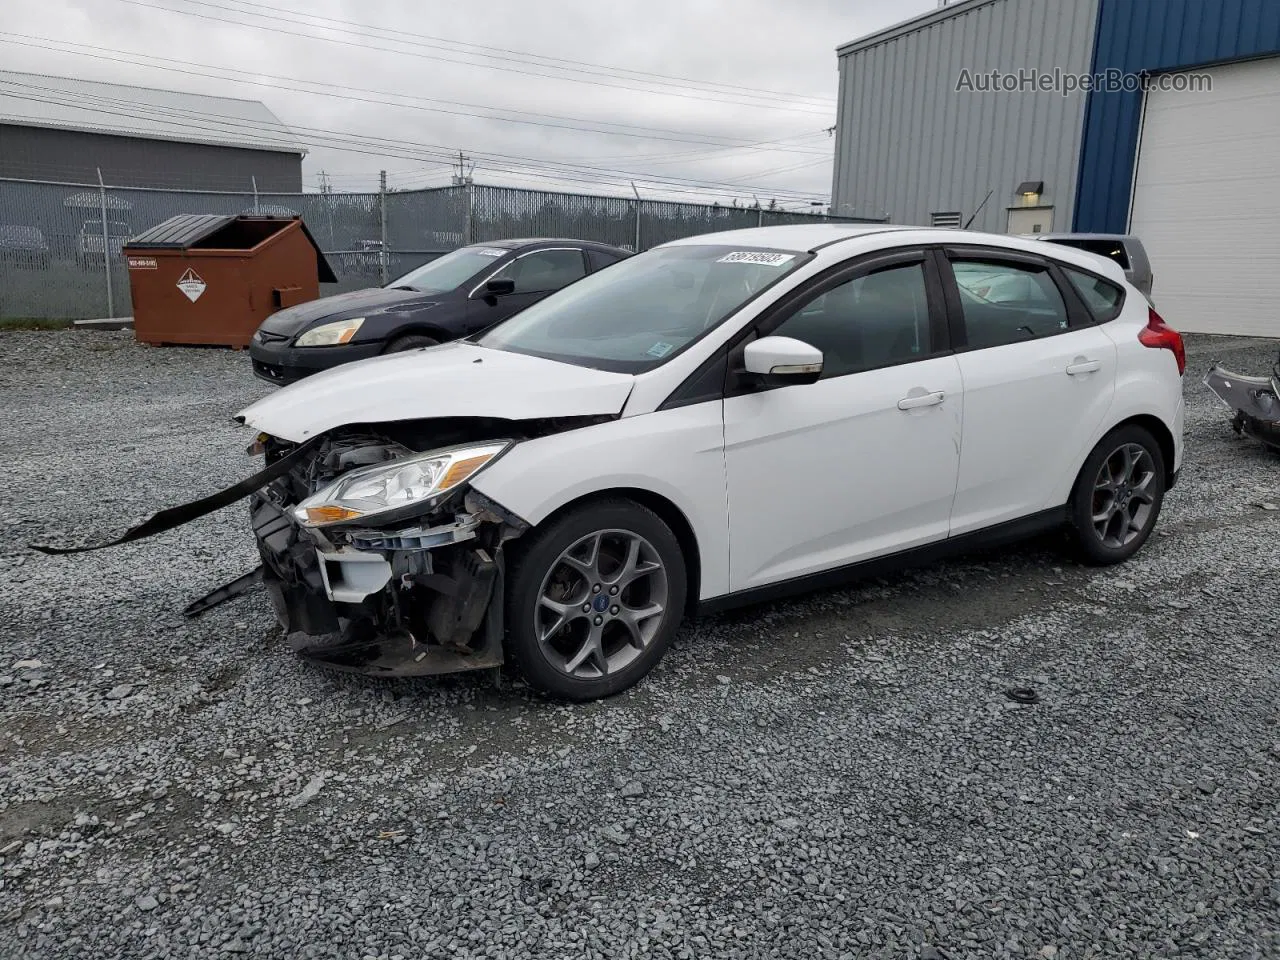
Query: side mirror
point(500, 288)
point(782, 360)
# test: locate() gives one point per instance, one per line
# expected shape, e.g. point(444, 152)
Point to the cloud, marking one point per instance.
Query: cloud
point(412, 49)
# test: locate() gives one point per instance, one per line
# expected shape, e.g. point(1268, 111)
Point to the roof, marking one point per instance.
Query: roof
point(515, 242)
point(918, 22)
point(38, 100)
point(799, 236)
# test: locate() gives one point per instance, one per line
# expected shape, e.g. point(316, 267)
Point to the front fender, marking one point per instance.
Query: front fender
point(675, 454)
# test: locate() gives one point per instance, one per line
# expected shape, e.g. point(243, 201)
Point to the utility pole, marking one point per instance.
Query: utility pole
point(382, 210)
point(106, 245)
point(463, 179)
point(637, 193)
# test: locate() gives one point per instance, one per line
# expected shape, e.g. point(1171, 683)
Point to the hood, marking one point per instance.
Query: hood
point(357, 303)
point(451, 380)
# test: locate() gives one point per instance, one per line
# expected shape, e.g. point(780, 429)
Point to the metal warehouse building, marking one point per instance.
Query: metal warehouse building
point(1178, 141)
point(64, 130)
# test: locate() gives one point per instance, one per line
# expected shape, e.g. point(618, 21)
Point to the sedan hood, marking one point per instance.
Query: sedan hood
point(450, 380)
point(357, 303)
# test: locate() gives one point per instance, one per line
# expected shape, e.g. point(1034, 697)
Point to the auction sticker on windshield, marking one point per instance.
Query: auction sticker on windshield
point(660, 349)
point(757, 256)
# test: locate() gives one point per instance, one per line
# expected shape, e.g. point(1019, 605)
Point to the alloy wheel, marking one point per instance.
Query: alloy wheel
point(1124, 495)
point(601, 603)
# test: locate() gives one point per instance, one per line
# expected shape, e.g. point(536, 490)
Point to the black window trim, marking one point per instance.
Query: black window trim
point(695, 388)
point(1078, 315)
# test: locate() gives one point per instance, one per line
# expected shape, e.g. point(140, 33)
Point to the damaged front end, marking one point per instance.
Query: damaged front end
point(1254, 401)
point(379, 558)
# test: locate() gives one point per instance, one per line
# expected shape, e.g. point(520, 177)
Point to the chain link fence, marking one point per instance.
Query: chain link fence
point(60, 244)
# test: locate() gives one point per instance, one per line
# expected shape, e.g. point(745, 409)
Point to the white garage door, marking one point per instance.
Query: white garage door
point(1206, 201)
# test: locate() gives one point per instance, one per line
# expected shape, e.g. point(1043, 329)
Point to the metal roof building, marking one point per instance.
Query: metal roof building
point(64, 130)
point(1155, 117)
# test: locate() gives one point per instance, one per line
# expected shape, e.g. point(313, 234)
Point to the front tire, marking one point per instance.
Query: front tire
point(1118, 495)
point(412, 341)
point(595, 599)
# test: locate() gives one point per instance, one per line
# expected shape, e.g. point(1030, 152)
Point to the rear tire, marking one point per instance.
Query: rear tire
point(595, 598)
point(1117, 497)
point(412, 341)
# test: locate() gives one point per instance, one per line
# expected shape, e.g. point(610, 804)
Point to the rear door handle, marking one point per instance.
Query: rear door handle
point(923, 400)
point(1083, 366)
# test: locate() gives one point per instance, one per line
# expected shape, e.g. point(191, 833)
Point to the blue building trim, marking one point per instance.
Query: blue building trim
point(1153, 35)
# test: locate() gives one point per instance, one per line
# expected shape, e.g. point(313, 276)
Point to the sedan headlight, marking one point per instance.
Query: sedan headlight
point(387, 487)
point(330, 334)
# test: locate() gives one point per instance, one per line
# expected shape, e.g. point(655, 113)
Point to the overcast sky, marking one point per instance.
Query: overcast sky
point(407, 56)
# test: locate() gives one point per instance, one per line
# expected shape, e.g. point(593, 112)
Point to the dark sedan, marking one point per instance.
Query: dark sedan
point(454, 296)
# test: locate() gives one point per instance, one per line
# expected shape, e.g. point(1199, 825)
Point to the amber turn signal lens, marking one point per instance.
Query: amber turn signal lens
point(461, 470)
point(330, 514)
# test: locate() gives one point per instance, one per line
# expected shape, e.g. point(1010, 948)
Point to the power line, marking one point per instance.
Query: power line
point(595, 81)
point(203, 123)
point(335, 91)
point(506, 54)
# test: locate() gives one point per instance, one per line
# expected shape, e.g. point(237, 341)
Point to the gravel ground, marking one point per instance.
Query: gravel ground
point(836, 776)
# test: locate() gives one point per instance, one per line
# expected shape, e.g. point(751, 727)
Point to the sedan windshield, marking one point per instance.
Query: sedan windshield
point(644, 310)
point(450, 271)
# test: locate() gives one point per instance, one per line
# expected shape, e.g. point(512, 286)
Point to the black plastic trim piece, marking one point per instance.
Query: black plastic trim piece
point(1010, 531)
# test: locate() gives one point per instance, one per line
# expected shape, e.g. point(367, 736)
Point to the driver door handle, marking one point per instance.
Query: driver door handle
point(923, 400)
point(1083, 366)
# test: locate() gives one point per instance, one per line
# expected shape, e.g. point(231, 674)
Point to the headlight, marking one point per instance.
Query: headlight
point(392, 486)
point(330, 334)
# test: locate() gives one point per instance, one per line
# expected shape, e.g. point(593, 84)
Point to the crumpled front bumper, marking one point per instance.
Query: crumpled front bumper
point(1255, 401)
point(408, 602)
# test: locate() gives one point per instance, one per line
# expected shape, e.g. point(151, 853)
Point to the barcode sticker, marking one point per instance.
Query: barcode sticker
point(758, 256)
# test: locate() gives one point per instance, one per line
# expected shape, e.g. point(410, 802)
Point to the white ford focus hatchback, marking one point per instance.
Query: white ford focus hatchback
point(721, 419)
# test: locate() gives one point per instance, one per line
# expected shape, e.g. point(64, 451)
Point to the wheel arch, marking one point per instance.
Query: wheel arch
point(669, 513)
point(418, 328)
point(1154, 426)
point(1164, 436)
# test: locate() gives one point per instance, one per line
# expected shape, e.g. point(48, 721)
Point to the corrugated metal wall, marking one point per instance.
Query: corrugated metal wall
point(1154, 35)
point(908, 144)
point(74, 156)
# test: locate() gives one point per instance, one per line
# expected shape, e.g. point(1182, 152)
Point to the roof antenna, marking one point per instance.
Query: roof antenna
point(979, 210)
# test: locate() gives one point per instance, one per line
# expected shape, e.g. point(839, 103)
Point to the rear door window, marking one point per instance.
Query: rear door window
point(1005, 302)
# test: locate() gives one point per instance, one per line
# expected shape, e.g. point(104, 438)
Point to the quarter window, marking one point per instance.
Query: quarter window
point(871, 321)
point(1007, 303)
point(1102, 297)
point(544, 270)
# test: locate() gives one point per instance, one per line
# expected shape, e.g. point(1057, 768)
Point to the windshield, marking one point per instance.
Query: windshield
point(643, 310)
point(450, 271)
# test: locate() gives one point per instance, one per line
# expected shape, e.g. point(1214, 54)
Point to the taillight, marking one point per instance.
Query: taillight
point(1160, 335)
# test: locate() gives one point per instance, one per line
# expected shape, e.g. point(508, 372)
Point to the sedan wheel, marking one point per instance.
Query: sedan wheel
point(601, 604)
point(1118, 496)
point(595, 600)
point(1123, 495)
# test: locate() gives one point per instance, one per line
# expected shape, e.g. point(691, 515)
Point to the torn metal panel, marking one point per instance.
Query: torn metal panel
point(1254, 400)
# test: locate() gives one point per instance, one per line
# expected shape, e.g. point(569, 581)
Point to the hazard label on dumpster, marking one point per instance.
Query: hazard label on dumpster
point(191, 284)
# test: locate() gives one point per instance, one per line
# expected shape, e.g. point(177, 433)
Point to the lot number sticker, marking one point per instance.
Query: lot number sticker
point(191, 285)
point(757, 256)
